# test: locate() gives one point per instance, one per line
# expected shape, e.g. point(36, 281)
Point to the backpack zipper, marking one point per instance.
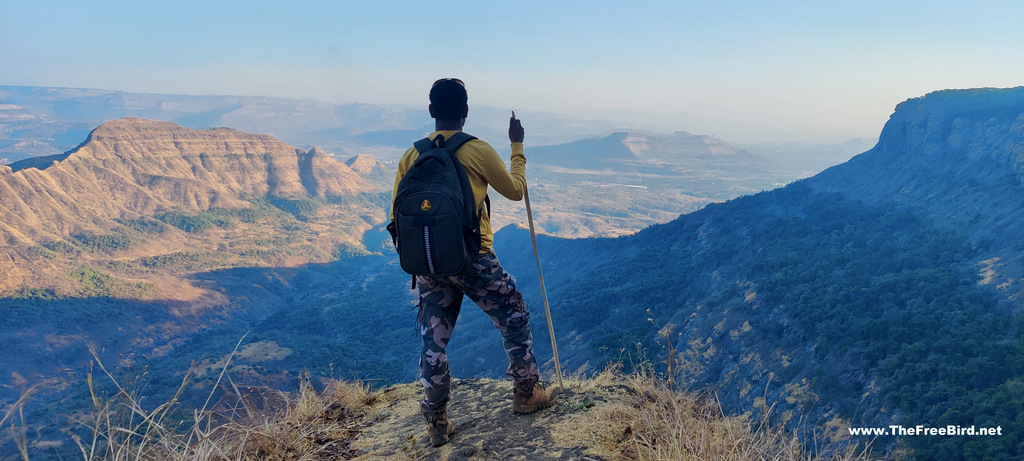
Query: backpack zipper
point(426, 243)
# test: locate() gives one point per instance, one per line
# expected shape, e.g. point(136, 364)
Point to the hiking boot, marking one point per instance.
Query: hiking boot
point(439, 428)
point(539, 398)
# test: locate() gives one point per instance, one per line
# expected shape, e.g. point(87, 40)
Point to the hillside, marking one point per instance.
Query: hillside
point(132, 180)
point(957, 158)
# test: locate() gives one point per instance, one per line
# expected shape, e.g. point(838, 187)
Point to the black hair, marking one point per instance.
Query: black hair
point(448, 100)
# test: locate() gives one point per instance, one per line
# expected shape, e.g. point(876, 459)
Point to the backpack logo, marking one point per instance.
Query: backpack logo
point(425, 206)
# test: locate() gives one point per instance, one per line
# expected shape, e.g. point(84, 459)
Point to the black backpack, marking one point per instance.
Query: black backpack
point(436, 228)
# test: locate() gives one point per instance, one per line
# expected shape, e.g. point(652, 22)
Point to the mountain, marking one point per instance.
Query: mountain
point(132, 167)
point(371, 169)
point(956, 157)
point(663, 176)
point(61, 117)
point(626, 180)
point(626, 149)
point(365, 165)
point(139, 189)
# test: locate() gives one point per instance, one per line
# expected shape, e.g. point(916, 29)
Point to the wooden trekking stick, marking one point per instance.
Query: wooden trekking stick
point(543, 291)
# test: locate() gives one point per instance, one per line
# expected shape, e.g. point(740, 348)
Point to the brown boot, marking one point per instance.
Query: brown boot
point(539, 398)
point(439, 428)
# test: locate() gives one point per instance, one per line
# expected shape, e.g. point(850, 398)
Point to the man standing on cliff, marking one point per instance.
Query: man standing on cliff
point(485, 282)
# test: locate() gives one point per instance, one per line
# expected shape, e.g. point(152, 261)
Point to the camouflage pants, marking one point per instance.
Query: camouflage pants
point(494, 290)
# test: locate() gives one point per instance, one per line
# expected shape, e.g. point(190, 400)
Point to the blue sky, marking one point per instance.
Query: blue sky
point(741, 70)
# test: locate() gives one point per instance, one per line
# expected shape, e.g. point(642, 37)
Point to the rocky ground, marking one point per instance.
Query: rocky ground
point(486, 427)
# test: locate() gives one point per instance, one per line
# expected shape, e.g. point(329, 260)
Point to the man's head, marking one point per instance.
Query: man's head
point(448, 100)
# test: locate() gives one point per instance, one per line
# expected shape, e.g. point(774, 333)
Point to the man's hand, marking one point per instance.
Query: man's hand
point(515, 129)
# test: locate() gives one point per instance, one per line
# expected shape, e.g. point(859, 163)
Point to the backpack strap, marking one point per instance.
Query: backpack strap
point(423, 145)
point(452, 144)
point(472, 235)
point(457, 140)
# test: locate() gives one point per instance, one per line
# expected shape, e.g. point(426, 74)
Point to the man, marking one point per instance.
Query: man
point(485, 282)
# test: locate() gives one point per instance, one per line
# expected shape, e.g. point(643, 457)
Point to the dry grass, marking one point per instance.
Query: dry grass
point(614, 416)
point(651, 421)
point(243, 424)
point(314, 425)
point(19, 433)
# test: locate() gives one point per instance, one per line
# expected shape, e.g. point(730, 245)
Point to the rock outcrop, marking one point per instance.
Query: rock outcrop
point(132, 167)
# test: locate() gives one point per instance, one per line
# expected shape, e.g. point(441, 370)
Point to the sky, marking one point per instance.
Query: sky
point(745, 71)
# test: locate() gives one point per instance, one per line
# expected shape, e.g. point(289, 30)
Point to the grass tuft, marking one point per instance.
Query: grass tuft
point(243, 424)
point(653, 421)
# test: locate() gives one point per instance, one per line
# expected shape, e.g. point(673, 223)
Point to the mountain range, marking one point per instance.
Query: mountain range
point(669, 177)
point(882, 291)
point(38, 121)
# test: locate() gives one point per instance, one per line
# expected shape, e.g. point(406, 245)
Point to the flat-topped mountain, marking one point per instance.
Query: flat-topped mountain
point(132, 167)
point(630, 148)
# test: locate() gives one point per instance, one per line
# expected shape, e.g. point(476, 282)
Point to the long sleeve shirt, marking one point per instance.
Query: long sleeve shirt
point(484, 167)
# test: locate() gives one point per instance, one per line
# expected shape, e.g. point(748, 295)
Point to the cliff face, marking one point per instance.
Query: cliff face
point(958, 157)
point(938, 149)
point(133, 167)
